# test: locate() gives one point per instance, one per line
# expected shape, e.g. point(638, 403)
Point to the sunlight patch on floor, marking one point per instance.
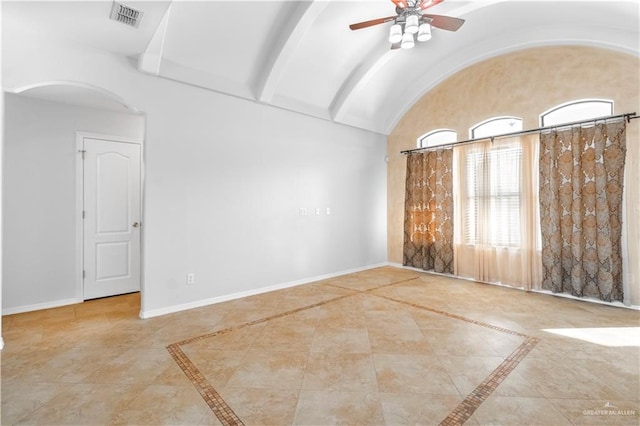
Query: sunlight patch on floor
point(604, 336)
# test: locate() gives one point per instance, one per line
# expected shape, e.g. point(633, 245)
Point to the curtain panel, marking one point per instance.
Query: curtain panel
point(496, 224)
point(428, 224)
point(581, 183)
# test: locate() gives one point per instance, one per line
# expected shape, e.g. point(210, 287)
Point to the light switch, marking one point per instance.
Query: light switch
point(303, 211)
point(317, 211)
point(328, 211)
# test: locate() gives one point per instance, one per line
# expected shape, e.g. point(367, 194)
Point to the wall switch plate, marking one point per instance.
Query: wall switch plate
point(303, 211)
point(318, 211)
point(328, 210)
point(191, 278)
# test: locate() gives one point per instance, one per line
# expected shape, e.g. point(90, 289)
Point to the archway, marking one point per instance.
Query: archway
point(40, 185)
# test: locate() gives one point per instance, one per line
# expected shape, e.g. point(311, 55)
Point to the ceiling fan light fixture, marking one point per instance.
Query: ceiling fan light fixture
point(411, 26)
point(395, 34)
point(407, 41)
point(424, 32)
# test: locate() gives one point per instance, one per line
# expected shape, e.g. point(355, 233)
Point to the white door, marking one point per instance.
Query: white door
point(111, 218)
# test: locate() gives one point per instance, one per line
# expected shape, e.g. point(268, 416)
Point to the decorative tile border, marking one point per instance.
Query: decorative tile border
point(458, 416)
point(220, 408)
point(218, 405)
point(454, 316)
point(470, 404)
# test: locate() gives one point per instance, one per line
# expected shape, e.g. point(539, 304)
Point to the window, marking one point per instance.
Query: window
point(495, 126)
point(437, 137)
point(492, 210)
point(575, 111)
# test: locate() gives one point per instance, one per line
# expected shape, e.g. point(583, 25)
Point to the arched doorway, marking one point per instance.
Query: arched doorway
point(43, 243)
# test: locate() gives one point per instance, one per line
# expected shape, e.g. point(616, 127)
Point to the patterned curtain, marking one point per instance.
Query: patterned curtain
point(581, 180)
point(428, 224)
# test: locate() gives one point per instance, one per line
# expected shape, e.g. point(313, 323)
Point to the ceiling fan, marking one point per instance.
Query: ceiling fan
point(410, 24)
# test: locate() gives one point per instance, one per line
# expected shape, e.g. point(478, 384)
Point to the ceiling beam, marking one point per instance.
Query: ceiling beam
point(284, 47)
point(149, 61)
point(360, 76)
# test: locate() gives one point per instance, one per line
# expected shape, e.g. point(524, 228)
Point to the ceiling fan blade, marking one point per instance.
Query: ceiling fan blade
point(448, 23)
point(402, 4)
point(371, 23)
point(425, 4)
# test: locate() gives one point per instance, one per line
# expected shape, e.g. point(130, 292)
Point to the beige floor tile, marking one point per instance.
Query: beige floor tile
point(338, 408)
point(19, 399)
point(568, 380)
point(270, 370)
point(433, 321)
point(236, 317)
point(259, 406)
point(390, 320)
point(412, 374)
point(459, 343)
point(599, 412)
point(340, 372)
point(216, 365)
point(500, 410)
point(417, 409)
point(516, 385)
point(502, 343)
point(468, 372)
point(166, 405)
point(341, 340)
point(83, 404)
point(304, 318)
point(285, 336)
point(408, 341)
point(134, 366)
point(172, 376)
point(337, 351)
point(238, 339)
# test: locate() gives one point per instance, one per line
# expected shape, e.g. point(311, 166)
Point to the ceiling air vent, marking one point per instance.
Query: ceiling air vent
point(125, 14)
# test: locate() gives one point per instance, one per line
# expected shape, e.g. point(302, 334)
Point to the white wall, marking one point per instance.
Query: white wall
point(225, 182)
point(225, 179)
point(40, 196)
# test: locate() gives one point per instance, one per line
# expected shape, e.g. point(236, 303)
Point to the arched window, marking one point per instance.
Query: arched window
point(495, 126)
point(583, 109)
point(437, 137)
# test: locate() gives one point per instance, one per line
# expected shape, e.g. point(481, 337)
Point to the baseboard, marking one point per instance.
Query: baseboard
point(584, 299)
point(546, 292)
point(219, 299)
point(39, 306)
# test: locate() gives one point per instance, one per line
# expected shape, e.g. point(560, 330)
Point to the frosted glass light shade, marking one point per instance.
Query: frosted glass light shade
point(411, 25)
point(407, 41)
point(395, 33)
point(424, 32)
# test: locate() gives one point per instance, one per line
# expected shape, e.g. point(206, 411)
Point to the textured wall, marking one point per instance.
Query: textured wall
point(524, 84)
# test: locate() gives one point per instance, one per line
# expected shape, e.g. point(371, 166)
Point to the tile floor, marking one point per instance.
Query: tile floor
point(384, 346)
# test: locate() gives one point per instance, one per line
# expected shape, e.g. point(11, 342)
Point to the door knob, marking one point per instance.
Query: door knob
point(136, 224)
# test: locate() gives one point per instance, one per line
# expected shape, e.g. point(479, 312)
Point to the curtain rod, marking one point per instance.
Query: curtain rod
point(628, 116)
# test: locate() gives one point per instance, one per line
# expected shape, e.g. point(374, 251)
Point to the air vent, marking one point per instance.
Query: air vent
point(125, 14)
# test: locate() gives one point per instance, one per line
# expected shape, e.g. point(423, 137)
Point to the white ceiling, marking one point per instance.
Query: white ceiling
point(302, 56)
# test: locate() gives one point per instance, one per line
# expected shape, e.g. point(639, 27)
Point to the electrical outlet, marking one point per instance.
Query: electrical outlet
point(191, 278)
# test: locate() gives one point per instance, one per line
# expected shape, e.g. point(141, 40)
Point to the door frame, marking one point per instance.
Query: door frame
point(80, 137)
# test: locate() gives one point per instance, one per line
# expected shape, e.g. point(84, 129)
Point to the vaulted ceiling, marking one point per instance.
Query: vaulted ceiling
point(301, 55)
